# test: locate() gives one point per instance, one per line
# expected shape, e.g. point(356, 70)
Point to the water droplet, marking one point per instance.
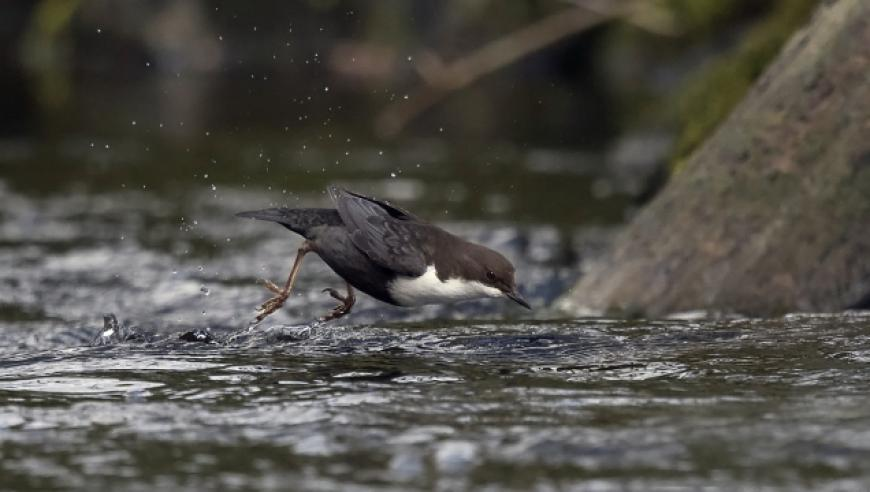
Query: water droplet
point(99, 30)
point(107, 146)
point(326, 88)
point(147, 64)
point(205, 176)
point(392, 175)
point(200, 268)
point(133, 122)
point(213, 188)
point(204, 290)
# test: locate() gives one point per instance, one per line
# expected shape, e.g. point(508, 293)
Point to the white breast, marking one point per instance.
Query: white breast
point(429, 289)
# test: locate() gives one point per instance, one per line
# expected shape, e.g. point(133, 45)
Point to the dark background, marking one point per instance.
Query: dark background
point(288, 96)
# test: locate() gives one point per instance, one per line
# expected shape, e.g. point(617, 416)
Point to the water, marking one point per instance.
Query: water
point(525, 405)
point(480, 396)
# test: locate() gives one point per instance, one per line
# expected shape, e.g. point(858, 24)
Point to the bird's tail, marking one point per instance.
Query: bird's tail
point(298, 220)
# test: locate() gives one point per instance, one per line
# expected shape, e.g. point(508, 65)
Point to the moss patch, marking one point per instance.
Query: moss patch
point(711, 95)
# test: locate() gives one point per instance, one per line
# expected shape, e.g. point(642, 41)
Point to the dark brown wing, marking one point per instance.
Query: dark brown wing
point(385, 233)
point(392, 210)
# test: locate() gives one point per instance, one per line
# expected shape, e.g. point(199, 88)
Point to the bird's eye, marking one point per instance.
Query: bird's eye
point(490, 275)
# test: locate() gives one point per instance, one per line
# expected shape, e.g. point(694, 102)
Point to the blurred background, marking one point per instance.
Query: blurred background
point(130, 132)
point(578, 120)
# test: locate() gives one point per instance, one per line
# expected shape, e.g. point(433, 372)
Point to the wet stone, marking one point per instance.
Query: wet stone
point(201, 336)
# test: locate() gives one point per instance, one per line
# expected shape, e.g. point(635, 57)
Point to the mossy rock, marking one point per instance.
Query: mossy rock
point(771, 213)
point(712, 94)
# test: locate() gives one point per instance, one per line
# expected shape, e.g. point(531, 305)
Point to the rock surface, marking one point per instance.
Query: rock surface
point(772, 213)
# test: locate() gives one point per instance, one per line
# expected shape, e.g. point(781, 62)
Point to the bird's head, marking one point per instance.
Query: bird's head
point(493, 270)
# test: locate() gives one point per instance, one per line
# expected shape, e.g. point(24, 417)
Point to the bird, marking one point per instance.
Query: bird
point(389, 254)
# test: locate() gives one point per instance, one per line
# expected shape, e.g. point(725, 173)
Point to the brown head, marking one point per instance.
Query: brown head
point(491, 269)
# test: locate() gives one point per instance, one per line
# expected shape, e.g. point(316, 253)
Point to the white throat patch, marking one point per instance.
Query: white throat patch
point(429, 289)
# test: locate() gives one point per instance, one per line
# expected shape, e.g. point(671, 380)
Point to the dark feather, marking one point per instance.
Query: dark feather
point(385, 233)
point(378, 206)
point(298, 220)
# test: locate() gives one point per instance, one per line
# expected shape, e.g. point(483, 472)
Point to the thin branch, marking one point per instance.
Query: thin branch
point(441, 79)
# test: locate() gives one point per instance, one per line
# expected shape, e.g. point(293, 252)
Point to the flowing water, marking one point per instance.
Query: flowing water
point(128, 361)
point(509, 405)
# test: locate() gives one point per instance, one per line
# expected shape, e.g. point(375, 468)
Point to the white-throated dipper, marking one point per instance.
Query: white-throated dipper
point(389, 254)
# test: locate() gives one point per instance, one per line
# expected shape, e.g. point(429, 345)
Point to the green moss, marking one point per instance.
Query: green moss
point(711, 95)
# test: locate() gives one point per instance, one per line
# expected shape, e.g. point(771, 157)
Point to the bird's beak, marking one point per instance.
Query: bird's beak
point(515, 296)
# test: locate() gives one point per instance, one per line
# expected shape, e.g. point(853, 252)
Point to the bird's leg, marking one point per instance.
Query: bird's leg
point(281, 295)
point(347, 302)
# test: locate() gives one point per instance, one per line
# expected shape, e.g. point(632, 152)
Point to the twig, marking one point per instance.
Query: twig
point(441, 79)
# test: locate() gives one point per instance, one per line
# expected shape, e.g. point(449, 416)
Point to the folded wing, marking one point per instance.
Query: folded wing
point(385, 233)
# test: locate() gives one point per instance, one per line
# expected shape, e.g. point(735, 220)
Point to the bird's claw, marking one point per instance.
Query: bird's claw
point(272, 305)
point(334, 294)
point(337, 312)
point(342, 309)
